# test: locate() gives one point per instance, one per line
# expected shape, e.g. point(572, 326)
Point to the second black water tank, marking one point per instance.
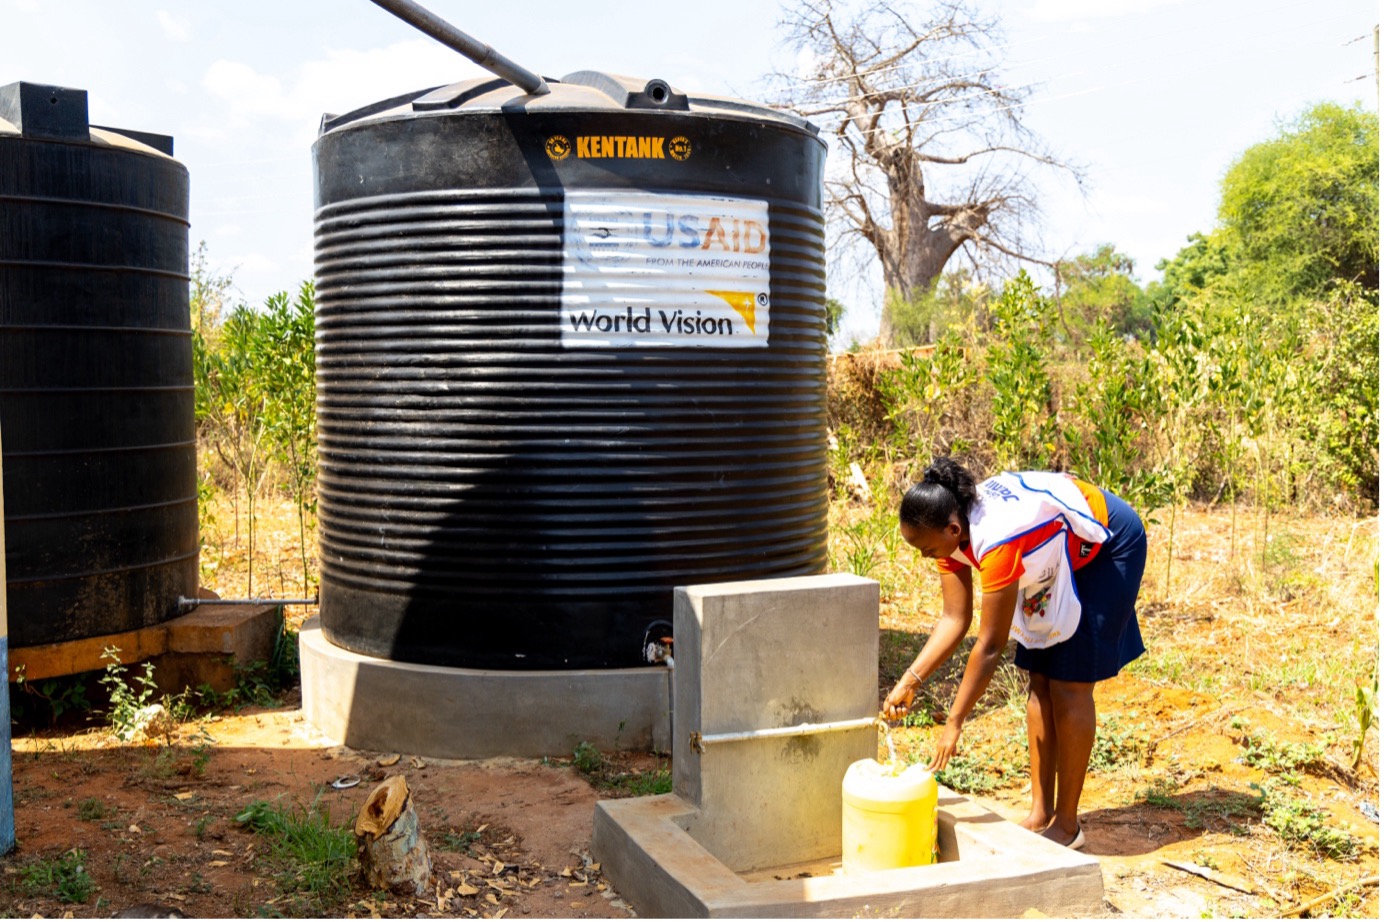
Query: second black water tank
point(571, 354)
point(96, 398)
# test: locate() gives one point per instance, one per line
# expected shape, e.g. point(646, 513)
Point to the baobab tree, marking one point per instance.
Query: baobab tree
point(932, 154)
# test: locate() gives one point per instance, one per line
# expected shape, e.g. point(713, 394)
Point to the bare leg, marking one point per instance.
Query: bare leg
point(1074, 717)
point(1042, 754)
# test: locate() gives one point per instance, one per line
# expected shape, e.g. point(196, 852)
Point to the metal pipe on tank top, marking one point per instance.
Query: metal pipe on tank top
point(432, 25)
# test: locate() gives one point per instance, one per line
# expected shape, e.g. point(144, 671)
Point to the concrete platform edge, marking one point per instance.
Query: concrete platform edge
point(660, 870)
point(380, 705)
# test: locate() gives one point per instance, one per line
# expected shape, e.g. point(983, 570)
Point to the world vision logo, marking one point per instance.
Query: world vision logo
point(744, 303)
point(558, 147)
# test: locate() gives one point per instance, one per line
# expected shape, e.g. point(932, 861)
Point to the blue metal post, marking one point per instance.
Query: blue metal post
point(6, 763)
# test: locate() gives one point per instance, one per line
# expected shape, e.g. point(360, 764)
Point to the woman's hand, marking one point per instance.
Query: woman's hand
point(899, 701)
point(946, 746)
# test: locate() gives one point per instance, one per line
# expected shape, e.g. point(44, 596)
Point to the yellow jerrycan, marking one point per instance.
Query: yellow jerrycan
point(888, 817)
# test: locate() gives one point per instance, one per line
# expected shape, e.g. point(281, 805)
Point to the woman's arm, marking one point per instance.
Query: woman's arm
point(996, 615)
point(946, 636)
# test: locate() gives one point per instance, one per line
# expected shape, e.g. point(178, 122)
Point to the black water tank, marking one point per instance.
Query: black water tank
point(570, 355)
point(96, 402)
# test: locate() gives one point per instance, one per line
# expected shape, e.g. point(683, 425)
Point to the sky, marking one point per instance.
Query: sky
point(1154, 98)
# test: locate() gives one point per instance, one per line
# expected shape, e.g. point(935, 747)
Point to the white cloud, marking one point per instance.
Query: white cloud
point(253, 262)
point(248, 92)
point(173, 27)
point(1062, 10)
point(344, 80)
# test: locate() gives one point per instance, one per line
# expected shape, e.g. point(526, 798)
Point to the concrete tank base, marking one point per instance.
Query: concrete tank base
point(449, 713)
point(990, 868)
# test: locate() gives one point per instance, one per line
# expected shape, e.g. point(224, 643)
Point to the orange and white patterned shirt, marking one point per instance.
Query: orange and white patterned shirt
point(1016, 513)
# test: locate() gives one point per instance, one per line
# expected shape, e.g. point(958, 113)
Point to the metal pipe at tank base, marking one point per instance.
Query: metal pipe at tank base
point(700, 742)
point(186, 605)
point(434, 26)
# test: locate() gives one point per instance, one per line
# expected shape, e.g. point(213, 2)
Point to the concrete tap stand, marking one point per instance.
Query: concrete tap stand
point(753, 826)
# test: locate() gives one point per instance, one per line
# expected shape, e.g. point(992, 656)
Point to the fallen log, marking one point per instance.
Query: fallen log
point(393, 856)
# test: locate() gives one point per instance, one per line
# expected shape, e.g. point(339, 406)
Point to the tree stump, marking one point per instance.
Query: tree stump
point(393, 856)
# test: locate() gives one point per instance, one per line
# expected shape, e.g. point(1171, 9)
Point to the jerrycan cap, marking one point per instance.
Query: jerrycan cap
point(871, 780)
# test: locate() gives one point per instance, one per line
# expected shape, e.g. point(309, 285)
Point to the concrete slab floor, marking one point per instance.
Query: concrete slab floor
point(990, 868)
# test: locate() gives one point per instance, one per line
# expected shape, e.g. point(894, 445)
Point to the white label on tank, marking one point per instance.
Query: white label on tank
point(642, 269)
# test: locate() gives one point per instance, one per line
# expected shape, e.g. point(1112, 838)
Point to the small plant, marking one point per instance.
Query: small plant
point(1160, 794)
point(91, 809)
point(1117, 746)
point(1199, 809)
point(59, 696)
point(1366, 716)
point(646, 783)
point(862, 554)
point(1272, 756)
point(919, 718)
point(587, 759)
point(966, 773)
point(1296, 820)
point(600, 772)
point(126, 703)
point(453, 841)
point(201, 752)
point(64, 878)
point(307, 852)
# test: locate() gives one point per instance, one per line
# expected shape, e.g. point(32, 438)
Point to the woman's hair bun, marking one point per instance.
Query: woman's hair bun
point(946, 489)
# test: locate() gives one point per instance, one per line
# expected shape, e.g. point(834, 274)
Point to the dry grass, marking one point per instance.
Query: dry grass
point(1268, 634)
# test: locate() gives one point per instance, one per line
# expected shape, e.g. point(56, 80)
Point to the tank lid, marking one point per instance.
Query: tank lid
point(58, 113)
point(583, 90)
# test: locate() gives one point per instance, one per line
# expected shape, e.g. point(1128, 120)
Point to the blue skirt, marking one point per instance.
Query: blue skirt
point(1107, 637)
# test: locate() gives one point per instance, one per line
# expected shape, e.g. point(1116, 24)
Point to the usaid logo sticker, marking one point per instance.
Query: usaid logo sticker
point(649, 270)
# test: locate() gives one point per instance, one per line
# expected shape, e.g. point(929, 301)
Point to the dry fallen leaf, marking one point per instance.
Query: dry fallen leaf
point(184, 795)
point(565, 872)
point(491, 899)
point(418, 763)
point(482, 828)
point(465, 889)
point(386, 761)
point(217, 864)
point(501, 913)
point(498, 869)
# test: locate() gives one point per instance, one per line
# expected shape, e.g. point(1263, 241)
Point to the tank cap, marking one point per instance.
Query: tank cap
point(629, 93)
point(42, 111)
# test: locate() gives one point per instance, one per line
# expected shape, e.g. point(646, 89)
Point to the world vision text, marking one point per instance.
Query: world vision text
point(591, 147)
point(642, 321)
